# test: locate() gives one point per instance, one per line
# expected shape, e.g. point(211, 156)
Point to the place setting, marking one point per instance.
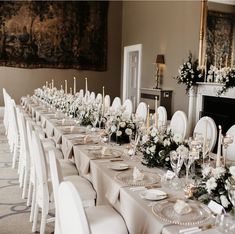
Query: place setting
point(85, 139)
point(105, 153)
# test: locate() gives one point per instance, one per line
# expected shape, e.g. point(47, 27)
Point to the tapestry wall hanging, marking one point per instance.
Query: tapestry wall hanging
point(54, 34)
point(219, 36)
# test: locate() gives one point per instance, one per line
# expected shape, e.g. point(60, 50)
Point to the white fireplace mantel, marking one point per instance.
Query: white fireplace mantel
point(196, 94)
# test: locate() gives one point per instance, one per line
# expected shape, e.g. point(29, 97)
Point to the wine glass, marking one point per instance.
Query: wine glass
point(176, 162)
point(108, 130)
point(94, 121)
point(227, 140)
point(188, 160)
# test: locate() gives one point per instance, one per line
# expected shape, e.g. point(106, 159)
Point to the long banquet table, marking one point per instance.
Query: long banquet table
point(136, 212)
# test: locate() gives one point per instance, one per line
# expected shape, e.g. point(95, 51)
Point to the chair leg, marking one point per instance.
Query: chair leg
point(35, 218)
point(33, 205)
point(29, 197)
point(21, 176)
point(25, 183)
point(15, 154)
point(43, 220)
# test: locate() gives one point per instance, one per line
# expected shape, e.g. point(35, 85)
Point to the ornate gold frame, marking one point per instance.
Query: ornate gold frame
point(202, 41)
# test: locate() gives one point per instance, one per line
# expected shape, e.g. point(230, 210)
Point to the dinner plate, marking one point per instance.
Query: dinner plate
point(119, 166)
point(113, 153)
point(148, 179)
point(198, 215)
point(94, 147)
point(153, 194)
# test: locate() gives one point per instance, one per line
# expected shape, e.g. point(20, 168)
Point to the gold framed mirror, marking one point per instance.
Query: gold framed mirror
point(217, 33)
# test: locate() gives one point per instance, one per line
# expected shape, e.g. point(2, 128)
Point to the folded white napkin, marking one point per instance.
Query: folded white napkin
point(137, 174)
point(181, 207)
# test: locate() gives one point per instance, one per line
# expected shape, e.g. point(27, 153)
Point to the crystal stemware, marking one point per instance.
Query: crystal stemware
point(188, 160)
point(227, 140)
point(176, 162)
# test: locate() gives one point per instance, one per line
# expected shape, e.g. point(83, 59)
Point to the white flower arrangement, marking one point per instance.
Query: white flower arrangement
point(157, 145)
point(120, 125)
point(189, 73)
point(215, 185)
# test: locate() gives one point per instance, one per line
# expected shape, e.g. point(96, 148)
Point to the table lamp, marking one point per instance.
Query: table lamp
point(159, 60)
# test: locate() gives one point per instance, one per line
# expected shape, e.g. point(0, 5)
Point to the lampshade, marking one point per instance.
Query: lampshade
point(160, 59)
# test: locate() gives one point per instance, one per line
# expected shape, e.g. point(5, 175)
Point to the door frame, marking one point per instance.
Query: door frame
point(127, 51)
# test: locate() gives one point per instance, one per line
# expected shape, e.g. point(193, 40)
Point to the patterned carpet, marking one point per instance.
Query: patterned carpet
point(14, 214)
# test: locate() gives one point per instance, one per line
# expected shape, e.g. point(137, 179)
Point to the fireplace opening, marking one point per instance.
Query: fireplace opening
point(220, 109)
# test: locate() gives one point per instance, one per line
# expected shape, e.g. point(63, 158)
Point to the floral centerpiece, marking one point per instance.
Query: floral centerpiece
point(215, 186)
point(88, 113)
point(120, 126)
point(189, 73)
point(227, 79)
point(157, 146)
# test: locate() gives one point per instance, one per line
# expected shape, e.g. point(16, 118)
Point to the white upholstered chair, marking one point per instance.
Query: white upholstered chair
point(43, 197)
point(92, 96)
point(128, 105)
point(94, 220)
point(99, 98)
point(83, 186)
point(141, 111)
point(107, 101)
point(116, 104)
point(162, 116)
point(211, 130)
point(230, 154)
point(179, 124)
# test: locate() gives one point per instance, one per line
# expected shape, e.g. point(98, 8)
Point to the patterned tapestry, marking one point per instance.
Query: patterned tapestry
point(219, 36)
point(54, 34)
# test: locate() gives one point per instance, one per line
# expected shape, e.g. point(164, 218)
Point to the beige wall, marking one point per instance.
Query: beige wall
point(19, 82)
point(163, 27)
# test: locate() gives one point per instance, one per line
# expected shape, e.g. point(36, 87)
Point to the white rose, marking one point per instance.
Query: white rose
point(218, 172)
point(211, 184)
point(224, 201)
point(119, 133)
point(166, 142)
point(128, 131)
point(113, 128)
point(122, 124)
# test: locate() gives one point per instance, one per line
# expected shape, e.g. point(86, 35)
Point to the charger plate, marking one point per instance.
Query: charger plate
point(114, 153)
point(199, 214)
point(127, 178)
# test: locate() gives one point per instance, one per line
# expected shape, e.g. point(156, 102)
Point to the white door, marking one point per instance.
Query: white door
point(132, 73)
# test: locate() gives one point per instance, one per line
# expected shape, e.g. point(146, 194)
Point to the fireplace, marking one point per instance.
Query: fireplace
point(204, 101)
point(221, 110)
